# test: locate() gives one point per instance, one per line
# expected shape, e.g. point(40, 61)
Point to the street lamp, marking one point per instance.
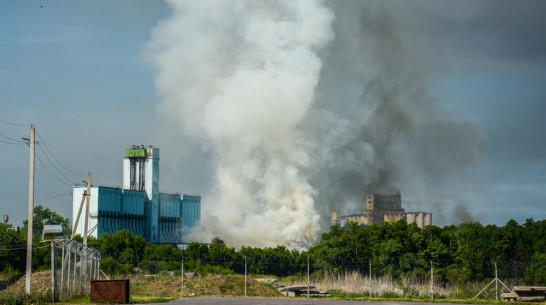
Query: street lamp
point(52, 232)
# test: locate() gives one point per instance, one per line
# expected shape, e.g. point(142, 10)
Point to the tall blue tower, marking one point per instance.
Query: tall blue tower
point(141, 173)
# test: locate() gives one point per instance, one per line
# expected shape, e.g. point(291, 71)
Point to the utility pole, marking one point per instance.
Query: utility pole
point(86, 222)
point(78, 217)
point(86, 226)
point(30, 213)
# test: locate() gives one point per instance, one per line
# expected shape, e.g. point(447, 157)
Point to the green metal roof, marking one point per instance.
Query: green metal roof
point(135, 153)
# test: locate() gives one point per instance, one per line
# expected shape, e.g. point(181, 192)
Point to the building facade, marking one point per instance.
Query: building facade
point(138, 206)
point(381, 208)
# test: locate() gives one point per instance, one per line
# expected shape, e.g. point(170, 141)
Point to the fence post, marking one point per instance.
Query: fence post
point(182, 291)
point(53, 279)
point(97, 266)
point(496, 284)
point(245, 274)
point(62, 270)
point(431, 280)
point(308, 281)
point(370, 272)
point(68, 270)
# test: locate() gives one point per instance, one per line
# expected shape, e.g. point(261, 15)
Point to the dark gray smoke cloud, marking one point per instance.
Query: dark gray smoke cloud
point(361, 114)
point(395, 136)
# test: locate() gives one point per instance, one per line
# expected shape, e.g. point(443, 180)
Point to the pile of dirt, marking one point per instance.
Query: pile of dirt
point(41, 284)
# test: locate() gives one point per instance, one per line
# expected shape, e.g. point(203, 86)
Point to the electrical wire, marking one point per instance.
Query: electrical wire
point(45, 145)
point(40, 146)
point(10, 205)
point(63, 182)
point(21, 248)
point(12, 139)
point(53, 197)
point(37, 201)
point(13, 143)
point(23, 125)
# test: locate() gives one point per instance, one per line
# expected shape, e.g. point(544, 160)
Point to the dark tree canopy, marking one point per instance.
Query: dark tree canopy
point(45, 216)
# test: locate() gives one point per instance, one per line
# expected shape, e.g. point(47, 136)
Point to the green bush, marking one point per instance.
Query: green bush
point(109, 265)
point(10, 274)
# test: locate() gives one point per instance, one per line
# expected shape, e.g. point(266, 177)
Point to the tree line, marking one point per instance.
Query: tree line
point(461, 253)
point(458, 253)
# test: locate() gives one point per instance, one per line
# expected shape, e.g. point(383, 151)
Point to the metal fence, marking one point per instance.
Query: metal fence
point(75, 266)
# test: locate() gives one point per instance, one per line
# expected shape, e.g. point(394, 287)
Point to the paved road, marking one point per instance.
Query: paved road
point(262, 301)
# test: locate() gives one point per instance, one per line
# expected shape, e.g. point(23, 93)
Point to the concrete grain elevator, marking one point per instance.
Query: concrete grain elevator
point(138, 206)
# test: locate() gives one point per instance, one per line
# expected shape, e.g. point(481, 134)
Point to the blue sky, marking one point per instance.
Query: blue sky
point(79, 71)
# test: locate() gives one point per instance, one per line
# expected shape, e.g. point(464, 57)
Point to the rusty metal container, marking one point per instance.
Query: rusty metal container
point(110, 291)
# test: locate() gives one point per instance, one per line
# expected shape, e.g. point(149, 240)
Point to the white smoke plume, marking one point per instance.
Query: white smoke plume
point(241, 76)
point(306, 106)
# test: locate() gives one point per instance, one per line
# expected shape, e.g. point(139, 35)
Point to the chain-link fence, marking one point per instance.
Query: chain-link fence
point(75, 265)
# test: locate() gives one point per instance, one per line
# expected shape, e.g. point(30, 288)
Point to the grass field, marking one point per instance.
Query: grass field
point(164, 288)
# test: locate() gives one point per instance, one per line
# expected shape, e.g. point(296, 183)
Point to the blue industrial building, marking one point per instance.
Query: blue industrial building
point(139, 207)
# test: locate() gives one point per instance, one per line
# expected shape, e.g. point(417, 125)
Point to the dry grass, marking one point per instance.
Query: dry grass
point(225, 285)
point(161, 288)
point(41, 284)
point(153, 289)
point(356, 283)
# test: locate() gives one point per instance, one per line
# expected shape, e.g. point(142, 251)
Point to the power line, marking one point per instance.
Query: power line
point(12, 139)
point(53, 197)
point(13, 143)
point(21, 248)
point(43, 142)
point(21, 125)
point(9, 205)
point(52, 173)
point(38, 201)
point(40, 146)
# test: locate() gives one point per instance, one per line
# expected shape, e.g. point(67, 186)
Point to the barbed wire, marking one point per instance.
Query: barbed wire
point(22, 248)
